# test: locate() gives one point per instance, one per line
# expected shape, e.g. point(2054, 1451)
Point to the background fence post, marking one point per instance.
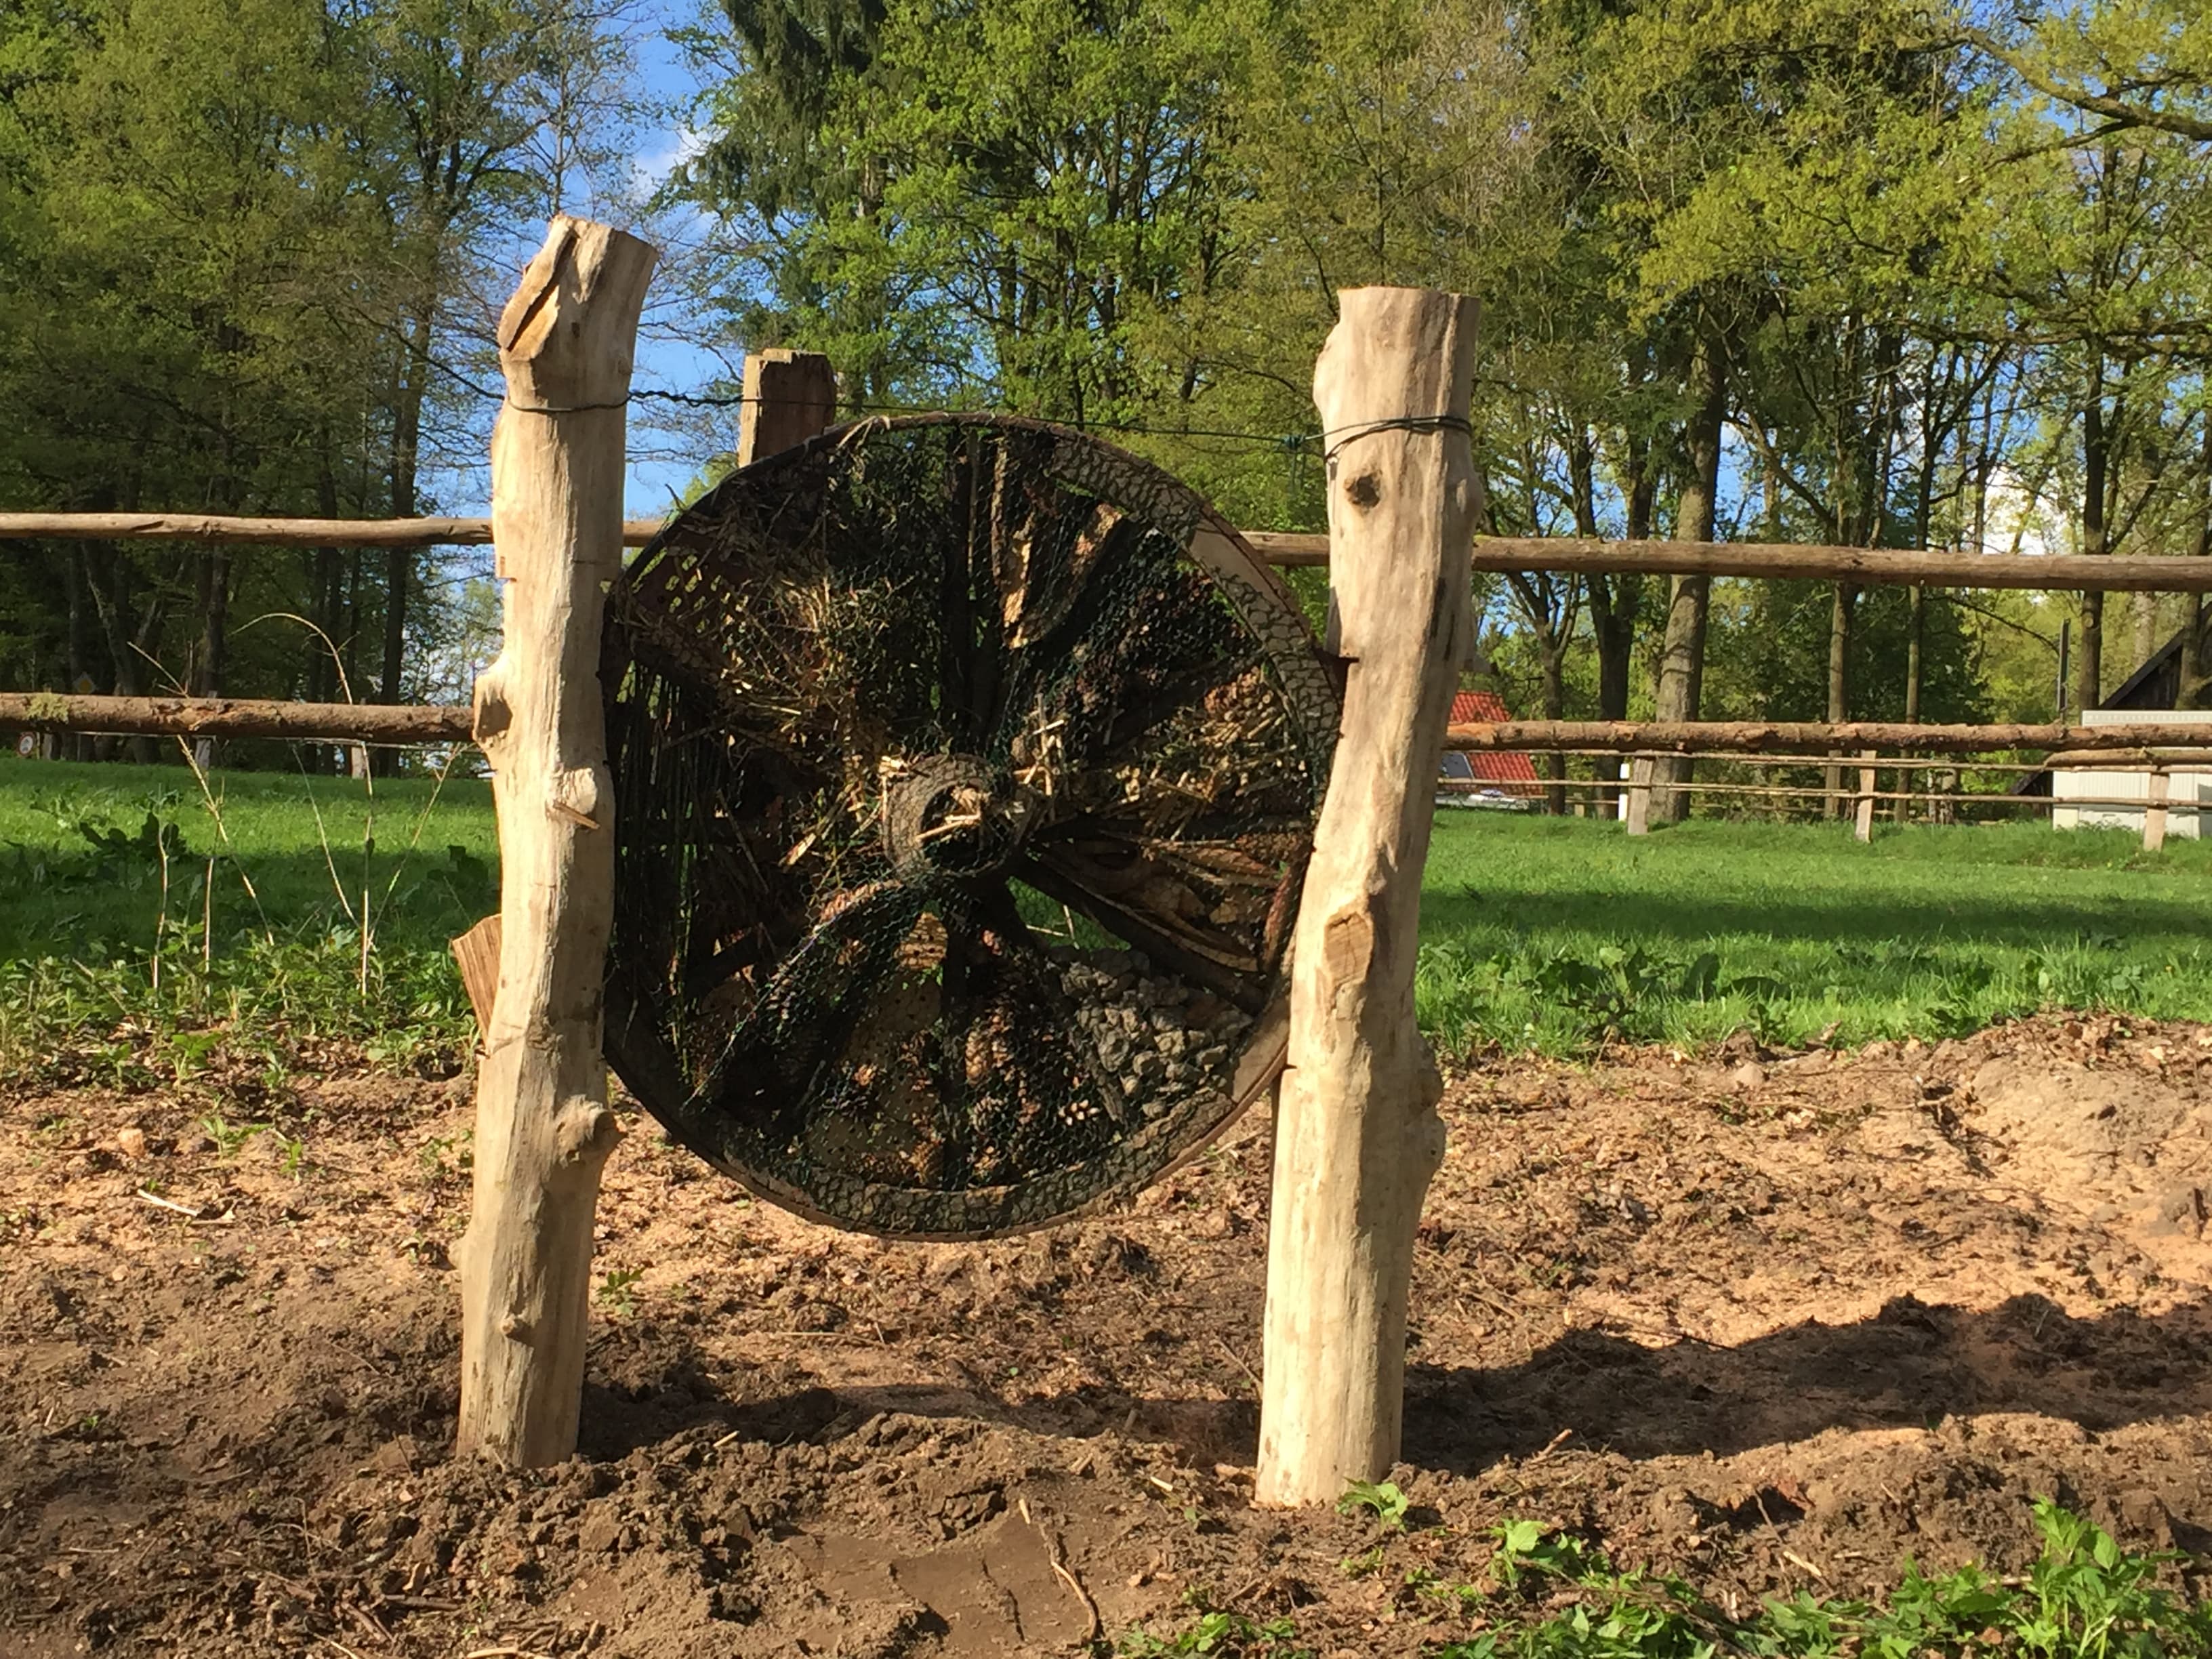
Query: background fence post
point(544, 1127)
point(1863, 827)
point(2154, 833)
point(790, 395)
point(1357, 1136)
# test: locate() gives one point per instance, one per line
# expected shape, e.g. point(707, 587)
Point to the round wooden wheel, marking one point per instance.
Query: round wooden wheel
point(965, 771)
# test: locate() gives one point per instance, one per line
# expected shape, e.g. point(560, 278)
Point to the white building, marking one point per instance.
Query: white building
point(2188, 791)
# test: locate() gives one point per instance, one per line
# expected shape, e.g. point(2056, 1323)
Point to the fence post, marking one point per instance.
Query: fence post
point(790, 395)
point(2154, 836)
point(544, 1127)
point(1864, 829)
point(1638, 814)
point(1357, 1136)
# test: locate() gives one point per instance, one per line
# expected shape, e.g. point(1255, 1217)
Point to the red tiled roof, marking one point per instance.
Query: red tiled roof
point(1470, 705)
point(1515, 773)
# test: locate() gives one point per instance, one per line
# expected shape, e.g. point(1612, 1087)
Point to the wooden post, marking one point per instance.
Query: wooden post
point(790, 395)
point(1639, 797)
point(1863, 828)
point(544, 1127)
point(2155, 811)
point(1357, 1136)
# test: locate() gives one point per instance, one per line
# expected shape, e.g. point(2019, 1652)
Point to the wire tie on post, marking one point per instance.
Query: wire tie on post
point(563, 409)
point(1344, 435)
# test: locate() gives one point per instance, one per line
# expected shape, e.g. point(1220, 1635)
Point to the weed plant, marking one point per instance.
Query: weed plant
point(1550, 1595)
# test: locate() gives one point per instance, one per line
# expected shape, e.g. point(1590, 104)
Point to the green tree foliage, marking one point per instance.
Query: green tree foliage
point(239, 250)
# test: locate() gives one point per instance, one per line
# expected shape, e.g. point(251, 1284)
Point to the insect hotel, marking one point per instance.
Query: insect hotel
point(947, 825)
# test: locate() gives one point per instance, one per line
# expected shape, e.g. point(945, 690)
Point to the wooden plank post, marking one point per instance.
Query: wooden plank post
point(1638, 815)
point(1862, 829)
point(1357, 1135)
point(790, 395)
point(2154, 836)
point(543, 1127)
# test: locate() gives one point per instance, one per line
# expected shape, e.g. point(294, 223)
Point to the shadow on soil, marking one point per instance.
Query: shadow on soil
point(1909, 1366)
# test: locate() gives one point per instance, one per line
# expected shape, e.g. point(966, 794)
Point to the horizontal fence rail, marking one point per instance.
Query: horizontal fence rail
point(1794, 561)
point(1565, 554)
point(270, 532)
point(1810, 737)
point(2147, 743)
point(236, 717)
point(1604, 791)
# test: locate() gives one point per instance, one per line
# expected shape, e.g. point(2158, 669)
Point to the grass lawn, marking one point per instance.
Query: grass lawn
point(1548, 934)
point(141, 910)
point(1554, 932)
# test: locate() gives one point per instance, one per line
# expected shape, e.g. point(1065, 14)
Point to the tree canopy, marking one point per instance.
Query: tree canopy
point(1882, 272)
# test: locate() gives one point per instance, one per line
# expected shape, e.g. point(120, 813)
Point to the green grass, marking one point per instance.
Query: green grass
point(1558, 933)
point(1550, 1595)
point(149, 926)
point(1544, 933)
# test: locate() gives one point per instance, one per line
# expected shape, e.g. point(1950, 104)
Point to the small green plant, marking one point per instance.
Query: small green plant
point(1380, 1498)
point(2085, 1598)
point(614, 1290)
point(1363, 1564)
point(230, 1139)
point(1526, 1546)
point(294, 1157)
point(189, 1052)
point(1222, 1635)
point(433, 1153)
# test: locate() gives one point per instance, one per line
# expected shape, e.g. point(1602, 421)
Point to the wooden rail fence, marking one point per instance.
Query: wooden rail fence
point(1772, 561)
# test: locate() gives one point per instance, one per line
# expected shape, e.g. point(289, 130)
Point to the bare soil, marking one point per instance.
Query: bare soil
point(1771, 1321)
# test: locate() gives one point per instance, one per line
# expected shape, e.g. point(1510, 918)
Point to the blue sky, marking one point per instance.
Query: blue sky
point(670, 356)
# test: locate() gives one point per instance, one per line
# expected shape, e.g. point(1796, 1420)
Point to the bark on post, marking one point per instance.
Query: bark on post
point(790, 395)
point(1356, 1134)
point(544, 1127)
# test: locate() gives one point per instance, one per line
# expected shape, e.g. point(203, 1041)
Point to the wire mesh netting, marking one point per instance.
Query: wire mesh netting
point(965, 772)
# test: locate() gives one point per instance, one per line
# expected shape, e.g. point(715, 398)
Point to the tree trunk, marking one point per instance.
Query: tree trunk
point(1357, 1136)
point(350, 637)
point(1840, 609)
point(1615, 606)
point(406, 455)
point(2096, 457)
point(1616, 601)
point(1916, 637)
point(544, 1127)
point(1909, 781)
point(1552, 652)
point(2144, 607)
point(130, 647)
point(1551, 613)
point(2196, 680)
point(1682, 663)
point(213, 596)
point(76, 745)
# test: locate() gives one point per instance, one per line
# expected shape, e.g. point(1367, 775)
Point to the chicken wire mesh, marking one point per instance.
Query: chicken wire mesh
point(965, 773)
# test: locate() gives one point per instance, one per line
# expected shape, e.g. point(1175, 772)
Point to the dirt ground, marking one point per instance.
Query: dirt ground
point(1773, 1320)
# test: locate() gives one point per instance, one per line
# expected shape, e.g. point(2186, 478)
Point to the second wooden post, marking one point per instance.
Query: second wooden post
point(543, 1127)
point(1357, 1137)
